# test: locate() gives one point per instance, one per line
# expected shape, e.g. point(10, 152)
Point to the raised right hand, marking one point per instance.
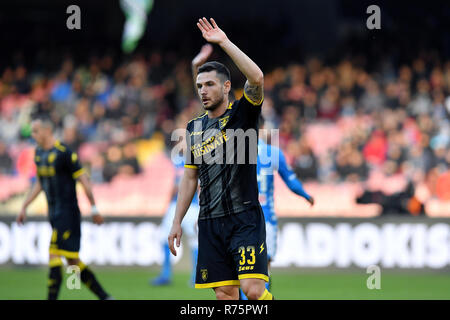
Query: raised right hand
point(211, 31)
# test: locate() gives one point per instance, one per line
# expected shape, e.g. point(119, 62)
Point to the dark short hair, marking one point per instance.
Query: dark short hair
point(221, 70)
point(45, 120)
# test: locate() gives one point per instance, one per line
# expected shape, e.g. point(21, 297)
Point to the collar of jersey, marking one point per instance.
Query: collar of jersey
point(57, 143)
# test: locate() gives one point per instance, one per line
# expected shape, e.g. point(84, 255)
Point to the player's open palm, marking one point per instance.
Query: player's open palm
point(210, 31)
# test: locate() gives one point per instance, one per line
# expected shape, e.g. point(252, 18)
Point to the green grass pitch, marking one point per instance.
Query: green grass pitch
point(132, 284)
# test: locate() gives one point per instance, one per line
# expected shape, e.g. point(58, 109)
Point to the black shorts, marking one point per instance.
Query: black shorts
point(231, 248)
point(66, 236)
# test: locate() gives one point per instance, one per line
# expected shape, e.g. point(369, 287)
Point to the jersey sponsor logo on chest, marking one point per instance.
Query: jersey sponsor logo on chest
point(209, 144)
point(223, 122)
point(46, 171)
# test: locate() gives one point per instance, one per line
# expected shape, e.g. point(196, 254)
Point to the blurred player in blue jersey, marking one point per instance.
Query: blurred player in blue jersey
point(271, 159)
point(188, 225)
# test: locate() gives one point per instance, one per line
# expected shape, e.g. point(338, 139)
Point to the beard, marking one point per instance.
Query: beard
point(214, 105)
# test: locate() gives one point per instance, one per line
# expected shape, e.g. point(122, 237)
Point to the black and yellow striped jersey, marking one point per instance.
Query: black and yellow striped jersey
point(57, 171)
point(224, 150)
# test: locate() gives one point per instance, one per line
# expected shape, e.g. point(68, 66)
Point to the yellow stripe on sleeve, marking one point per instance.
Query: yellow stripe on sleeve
point(78, 173)
point(252, 102)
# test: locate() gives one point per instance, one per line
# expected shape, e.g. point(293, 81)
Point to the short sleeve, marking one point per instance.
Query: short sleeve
point(253, 103)
point(74, 164)
point(250, 109)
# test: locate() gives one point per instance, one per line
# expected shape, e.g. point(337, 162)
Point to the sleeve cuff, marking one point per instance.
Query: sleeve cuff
point(78, 173)
point(252, 102)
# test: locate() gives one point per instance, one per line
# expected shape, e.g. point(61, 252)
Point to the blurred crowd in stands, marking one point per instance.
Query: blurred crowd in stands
point(337, 122)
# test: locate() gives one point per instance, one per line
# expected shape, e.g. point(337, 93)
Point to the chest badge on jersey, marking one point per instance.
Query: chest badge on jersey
point(223, 122)
point(51, 157)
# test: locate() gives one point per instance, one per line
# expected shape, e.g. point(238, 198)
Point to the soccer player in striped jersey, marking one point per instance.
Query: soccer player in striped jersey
point(232, 237)
point(58, 170)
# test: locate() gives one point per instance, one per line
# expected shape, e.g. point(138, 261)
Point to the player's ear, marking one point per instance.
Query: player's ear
point(227, 86)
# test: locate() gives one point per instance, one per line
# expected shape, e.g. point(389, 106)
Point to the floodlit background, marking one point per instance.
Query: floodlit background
point(363, 118)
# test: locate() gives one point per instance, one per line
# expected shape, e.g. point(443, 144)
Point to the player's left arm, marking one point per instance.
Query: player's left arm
point(87, 187)
point(254, 86)
point(290, 178)
point(200, 59)
point(80, 175)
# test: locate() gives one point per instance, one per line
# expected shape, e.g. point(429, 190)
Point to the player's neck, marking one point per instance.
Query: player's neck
point(220, 110)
